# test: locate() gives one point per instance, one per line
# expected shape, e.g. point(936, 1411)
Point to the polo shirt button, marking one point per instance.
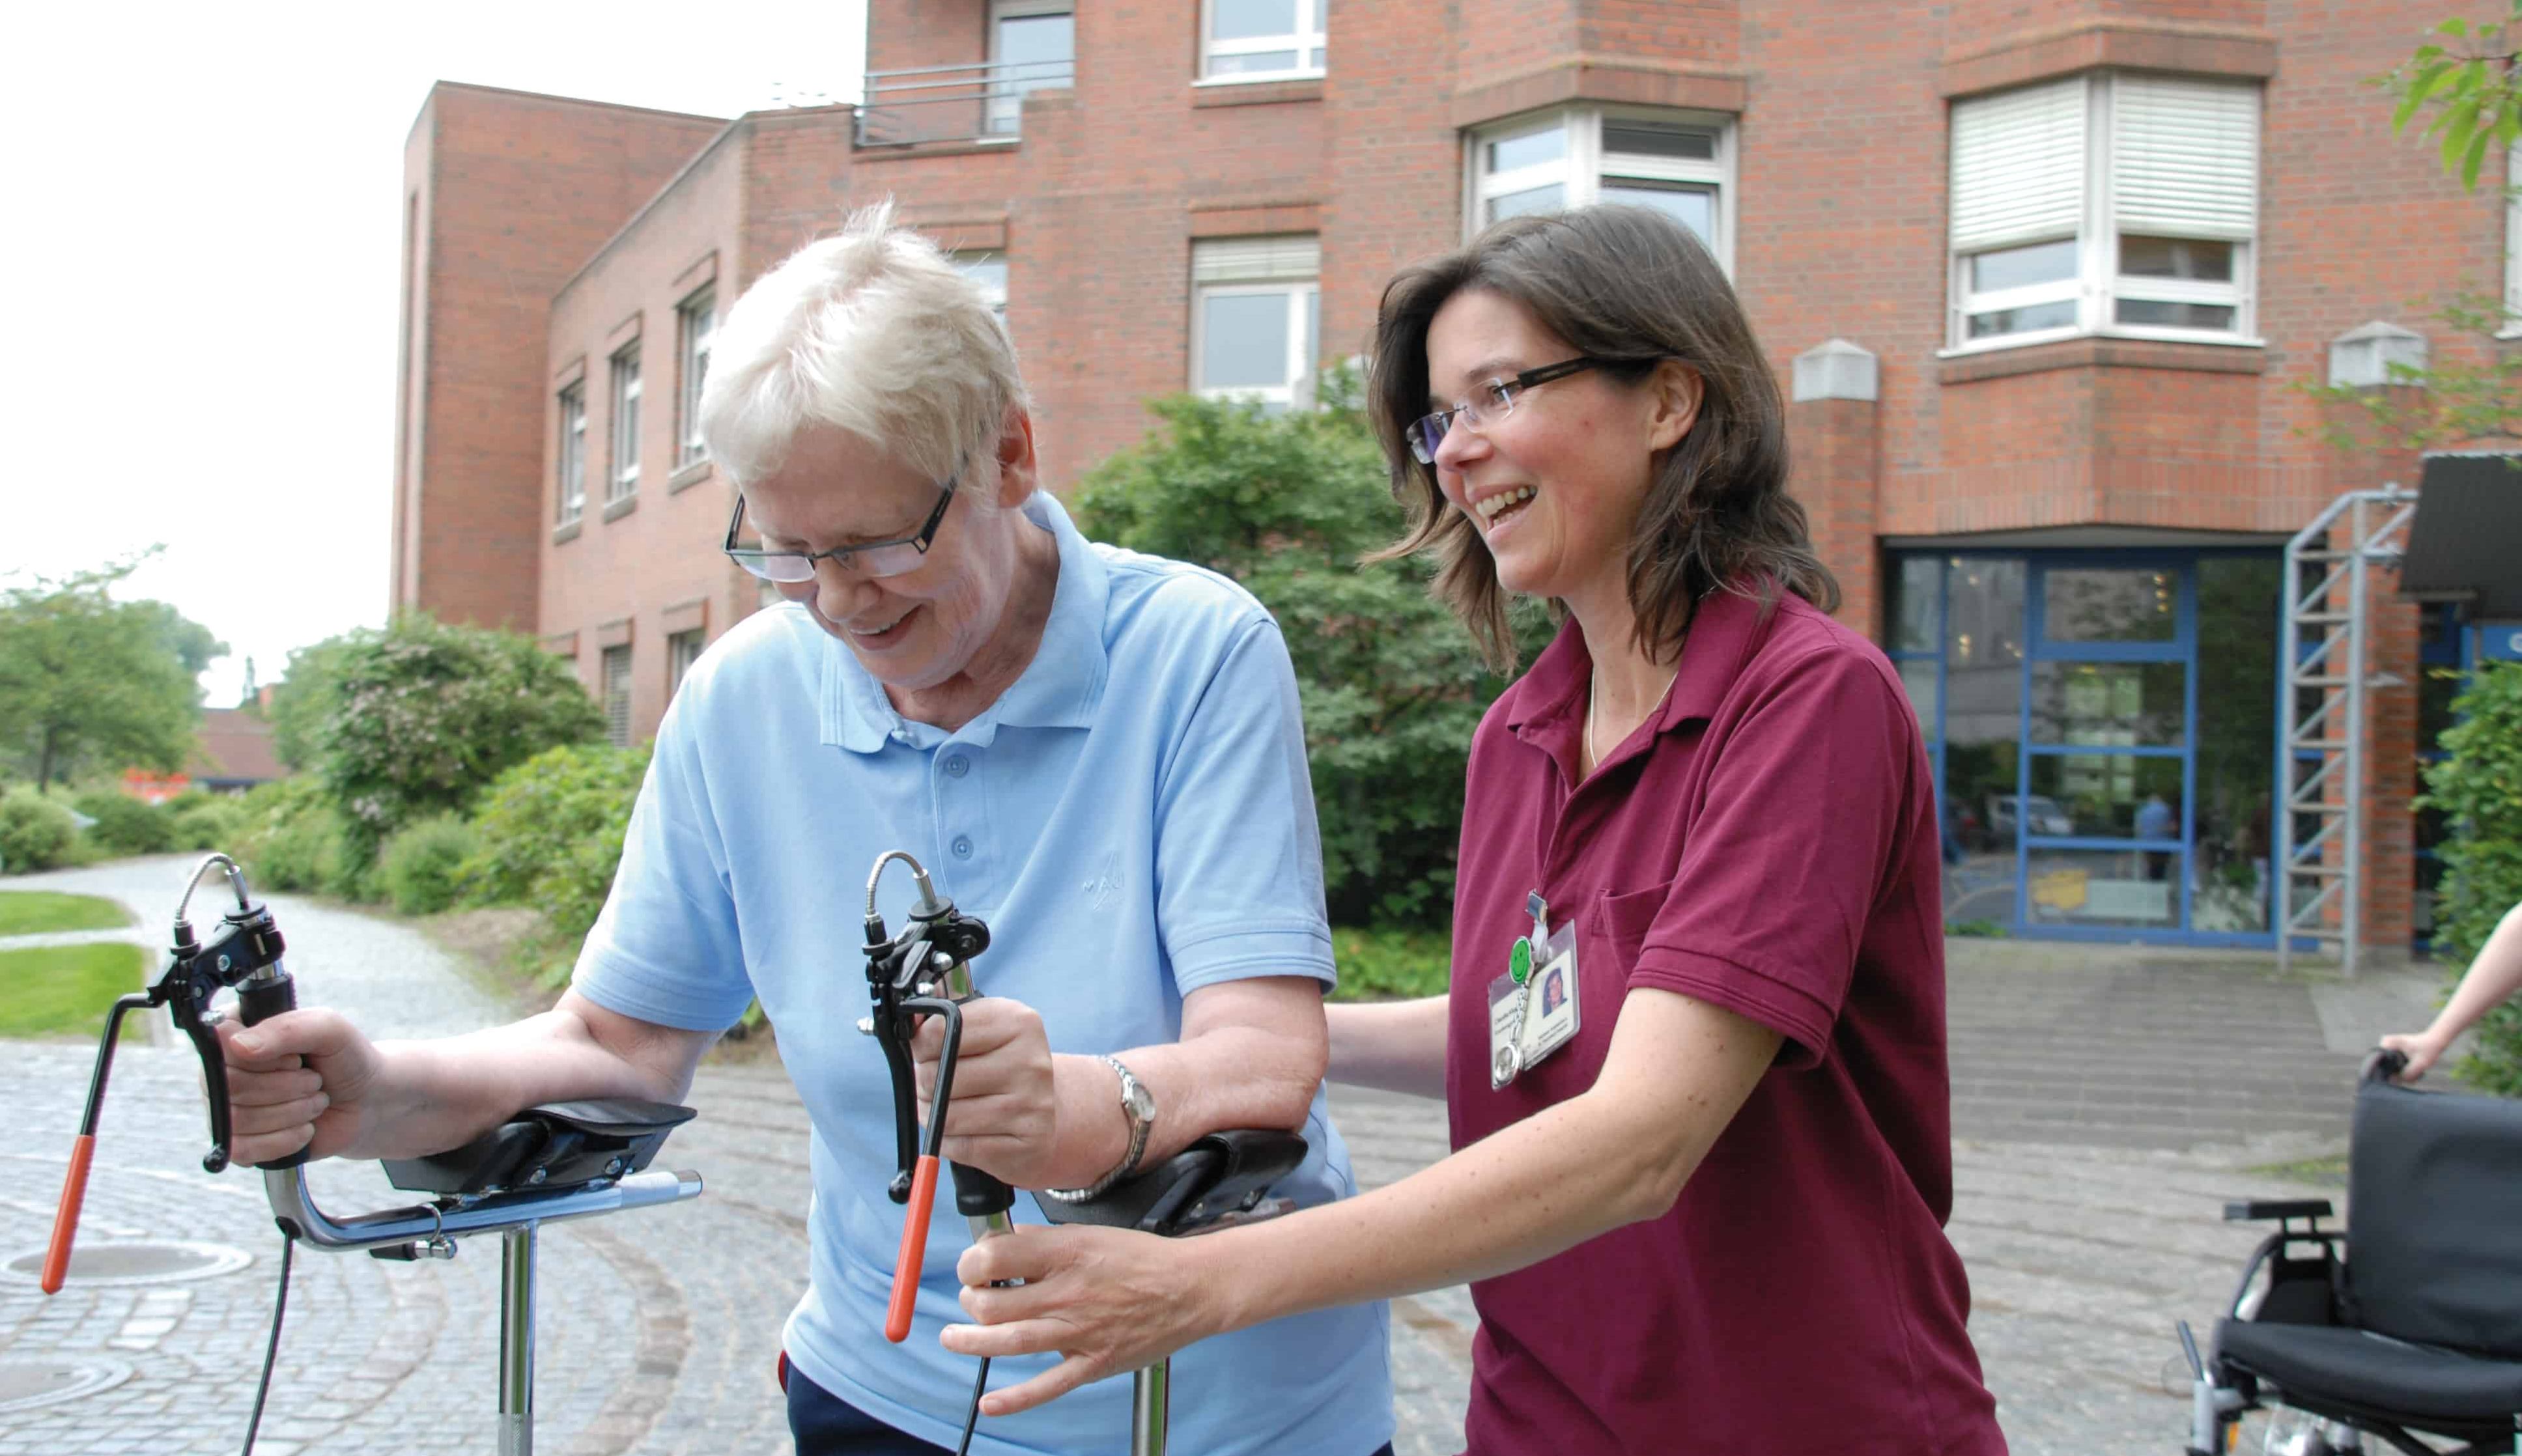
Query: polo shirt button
point(957, 767)
point(962, 846)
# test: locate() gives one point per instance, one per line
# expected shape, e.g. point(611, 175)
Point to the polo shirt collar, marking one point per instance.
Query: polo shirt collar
point(1061, 688)
point(1549, 701)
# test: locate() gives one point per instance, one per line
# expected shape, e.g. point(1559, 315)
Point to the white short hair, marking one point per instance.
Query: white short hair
point(873, 332)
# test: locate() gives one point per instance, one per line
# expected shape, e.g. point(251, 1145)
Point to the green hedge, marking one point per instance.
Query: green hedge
point(35, 833)
point(125, 825)
point(2478, 788)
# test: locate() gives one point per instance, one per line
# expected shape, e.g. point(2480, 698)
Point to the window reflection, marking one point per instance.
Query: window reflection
point(2135, 705)
point(2109, 606)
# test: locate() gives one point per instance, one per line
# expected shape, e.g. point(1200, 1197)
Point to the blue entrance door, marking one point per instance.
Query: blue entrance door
point(2103, 728)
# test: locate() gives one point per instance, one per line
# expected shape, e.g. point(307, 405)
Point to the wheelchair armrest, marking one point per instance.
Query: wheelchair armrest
point(555, 1145)
point(2259, 1210)
point(1224, 1172)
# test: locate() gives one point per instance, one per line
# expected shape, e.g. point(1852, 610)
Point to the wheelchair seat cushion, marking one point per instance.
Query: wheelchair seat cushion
point(2413, 1383)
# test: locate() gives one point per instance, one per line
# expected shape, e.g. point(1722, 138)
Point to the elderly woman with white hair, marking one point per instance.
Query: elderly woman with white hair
point(1096, 751)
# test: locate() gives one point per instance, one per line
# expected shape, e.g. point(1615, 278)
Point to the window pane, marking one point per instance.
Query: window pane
point(1024, 40)
point(1659, 139)
point(1694, 207)
point(1982, 647)
point(2155, 313)
point(2126, 604)
point(1244, 341)
point(2139, 705)
point(1913, 603)
point(1532, 148)
point(2237, 683)
point(2176, 258)
point(2024, 320)
point(1246, 19)
point(1918, 677)
point(2022, 267)
point(1549, 198)
point(2105, 796)
point(2103, 888)
point(1258, 61)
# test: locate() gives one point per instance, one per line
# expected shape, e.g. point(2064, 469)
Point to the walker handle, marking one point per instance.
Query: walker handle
point(914, 1250)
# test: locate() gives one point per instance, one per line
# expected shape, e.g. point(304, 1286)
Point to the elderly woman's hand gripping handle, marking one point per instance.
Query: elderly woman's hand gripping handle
point(1110, 1300)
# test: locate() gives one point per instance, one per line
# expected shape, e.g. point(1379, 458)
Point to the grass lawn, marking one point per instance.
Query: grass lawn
point(1384, 965)
point(35, 912)
point(64, 990)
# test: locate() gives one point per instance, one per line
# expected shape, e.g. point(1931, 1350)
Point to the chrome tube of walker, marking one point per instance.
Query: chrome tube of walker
point(1149, 1394)
point(517, 1341)
point(300, 1218)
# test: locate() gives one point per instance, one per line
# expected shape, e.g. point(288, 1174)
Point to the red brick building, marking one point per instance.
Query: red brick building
point(2045, 276)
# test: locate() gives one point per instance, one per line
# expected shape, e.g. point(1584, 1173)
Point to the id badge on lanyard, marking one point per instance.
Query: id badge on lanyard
point(1532, 1007)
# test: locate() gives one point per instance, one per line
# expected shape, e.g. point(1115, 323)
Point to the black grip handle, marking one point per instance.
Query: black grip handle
point(258, 1001)
point(977, 1195)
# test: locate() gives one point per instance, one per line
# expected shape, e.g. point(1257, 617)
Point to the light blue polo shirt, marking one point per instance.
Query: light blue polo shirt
point(1133, 819)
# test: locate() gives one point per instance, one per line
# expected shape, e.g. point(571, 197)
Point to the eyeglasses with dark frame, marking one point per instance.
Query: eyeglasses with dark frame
point(1493, 399)
point(875, 558)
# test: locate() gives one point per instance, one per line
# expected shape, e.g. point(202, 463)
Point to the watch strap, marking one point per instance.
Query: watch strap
point(1131, 1092)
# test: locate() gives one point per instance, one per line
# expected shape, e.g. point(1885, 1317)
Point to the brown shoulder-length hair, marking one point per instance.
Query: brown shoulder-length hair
point(1629, 286)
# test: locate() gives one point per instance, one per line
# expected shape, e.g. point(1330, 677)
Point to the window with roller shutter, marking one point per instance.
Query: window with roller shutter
point(2110, 203)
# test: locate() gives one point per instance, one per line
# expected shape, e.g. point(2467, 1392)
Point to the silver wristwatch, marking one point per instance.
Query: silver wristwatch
point(1139, 1105)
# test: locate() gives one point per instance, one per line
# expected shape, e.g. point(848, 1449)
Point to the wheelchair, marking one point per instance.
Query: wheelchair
point(2406, 1324)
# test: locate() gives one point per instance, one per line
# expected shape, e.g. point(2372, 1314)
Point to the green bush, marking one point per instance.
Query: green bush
point(2478, 787)
point(125, 825)
point(290, 838)
point(418, 867)
point(550, 835)
point(35, 833)
point(1393, 687)
point(211, 824)
point(417, 719)
point(1376, 964)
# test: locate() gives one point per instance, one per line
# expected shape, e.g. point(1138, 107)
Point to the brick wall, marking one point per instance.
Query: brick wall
point(506, 194)
point(1839, 231)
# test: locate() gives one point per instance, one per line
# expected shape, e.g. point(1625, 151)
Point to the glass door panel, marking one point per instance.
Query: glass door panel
point(2106, 727)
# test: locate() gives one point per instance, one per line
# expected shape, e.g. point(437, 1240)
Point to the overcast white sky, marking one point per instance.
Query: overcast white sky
point(202, 235)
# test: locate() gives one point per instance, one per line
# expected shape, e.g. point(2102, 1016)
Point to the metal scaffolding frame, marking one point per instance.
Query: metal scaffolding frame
point(2324, 655)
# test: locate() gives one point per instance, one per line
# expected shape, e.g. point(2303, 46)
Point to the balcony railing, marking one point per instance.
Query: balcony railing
point(953, 103)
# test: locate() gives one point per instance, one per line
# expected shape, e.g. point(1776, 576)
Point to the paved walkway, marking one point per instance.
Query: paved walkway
point(2106, 1103)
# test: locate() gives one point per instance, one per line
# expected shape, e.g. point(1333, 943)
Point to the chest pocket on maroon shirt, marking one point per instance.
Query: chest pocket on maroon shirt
point(1608, 937)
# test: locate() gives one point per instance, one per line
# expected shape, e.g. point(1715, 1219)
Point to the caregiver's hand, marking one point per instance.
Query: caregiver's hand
point(1107, 1300)
point(1004, 1116)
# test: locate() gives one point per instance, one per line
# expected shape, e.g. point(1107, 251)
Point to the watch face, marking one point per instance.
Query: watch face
point(1142, 1103)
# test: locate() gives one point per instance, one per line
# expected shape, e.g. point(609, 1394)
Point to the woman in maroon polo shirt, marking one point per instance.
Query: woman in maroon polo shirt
point(1701, 1200)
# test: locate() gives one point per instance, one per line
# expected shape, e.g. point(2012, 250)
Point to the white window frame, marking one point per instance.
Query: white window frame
point(1585, 164)
point(623, 479)
point(615, 690)
point(2097, 287)
point(1311, 37)
point(683, 650)
point(572, 453)
point(1303, 294)
point(1003, 114)
point(695, 328)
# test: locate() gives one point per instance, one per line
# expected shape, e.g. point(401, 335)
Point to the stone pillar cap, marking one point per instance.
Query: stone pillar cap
point(1837, 369)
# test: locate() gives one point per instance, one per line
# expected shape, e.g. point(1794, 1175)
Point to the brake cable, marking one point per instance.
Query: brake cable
point(925, 969)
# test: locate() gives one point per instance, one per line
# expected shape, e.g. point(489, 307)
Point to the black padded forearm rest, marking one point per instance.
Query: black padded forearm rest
point(1224, 1172)
point(552, 1146)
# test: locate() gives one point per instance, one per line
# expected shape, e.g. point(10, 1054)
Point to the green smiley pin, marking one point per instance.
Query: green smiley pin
point(1518, 961)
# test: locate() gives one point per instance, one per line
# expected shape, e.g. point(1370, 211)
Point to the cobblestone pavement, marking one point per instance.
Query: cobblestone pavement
point(2106, 1102)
